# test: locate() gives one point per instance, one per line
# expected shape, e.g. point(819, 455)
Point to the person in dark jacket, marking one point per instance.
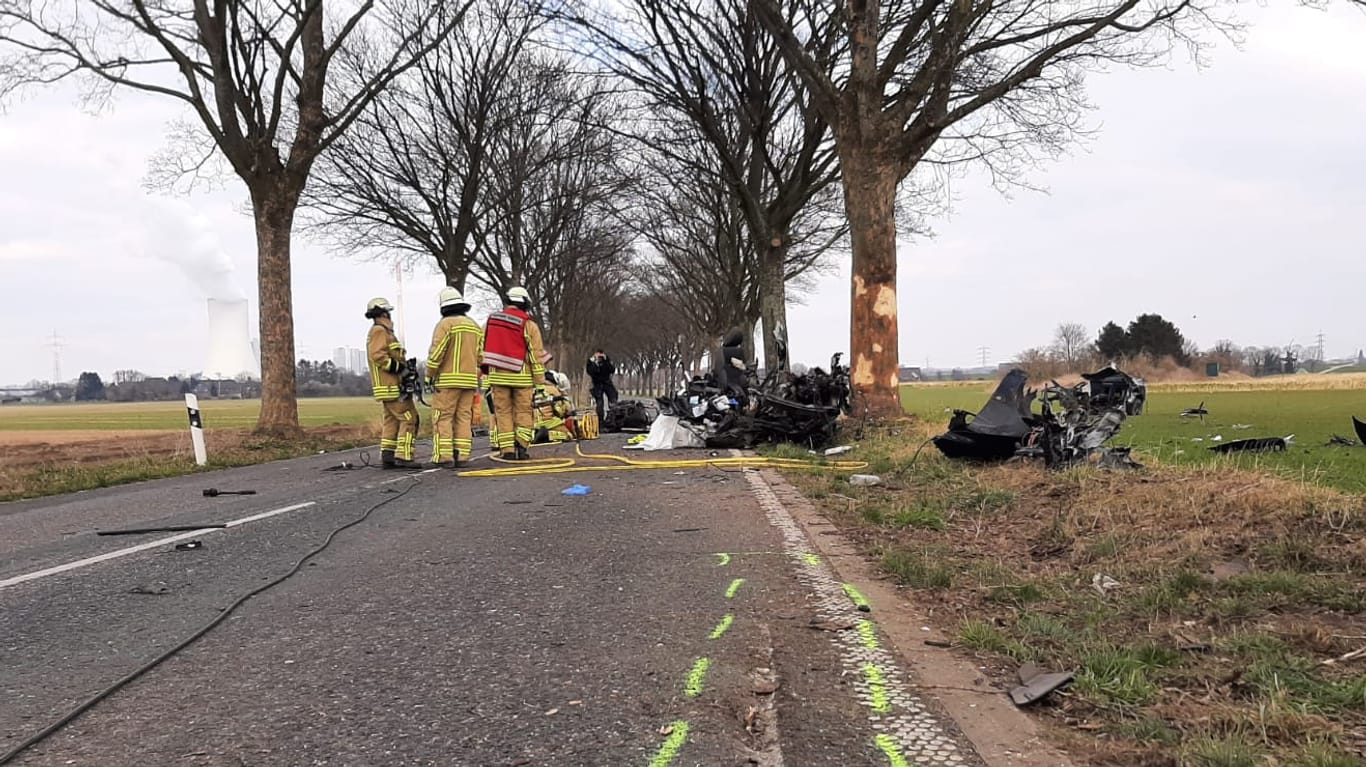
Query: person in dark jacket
point(604, 393)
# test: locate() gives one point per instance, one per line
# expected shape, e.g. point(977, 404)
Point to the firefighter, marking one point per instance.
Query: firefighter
point(554, 411)
point(386, 366)
point(514, 361)
point(453, 370)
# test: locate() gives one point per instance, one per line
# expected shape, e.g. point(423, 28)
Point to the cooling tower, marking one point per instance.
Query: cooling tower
point(230, 352)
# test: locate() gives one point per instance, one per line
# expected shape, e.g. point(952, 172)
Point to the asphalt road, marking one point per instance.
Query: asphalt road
point(466, 621)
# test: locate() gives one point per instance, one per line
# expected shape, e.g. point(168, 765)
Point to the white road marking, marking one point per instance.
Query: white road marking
point(33, 576)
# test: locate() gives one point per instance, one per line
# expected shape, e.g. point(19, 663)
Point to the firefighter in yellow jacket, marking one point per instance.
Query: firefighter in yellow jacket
point(386, 366)
point(453, 369)
point(514, 361)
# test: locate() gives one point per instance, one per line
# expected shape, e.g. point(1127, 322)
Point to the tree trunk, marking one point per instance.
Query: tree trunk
point(773, 304)
point(273, 210)
point(870, 201)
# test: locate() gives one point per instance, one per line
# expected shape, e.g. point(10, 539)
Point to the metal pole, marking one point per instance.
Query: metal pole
point(196, 429)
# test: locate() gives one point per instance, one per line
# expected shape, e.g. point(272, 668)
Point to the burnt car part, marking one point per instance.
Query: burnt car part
point(1256, 445)
point(995, 432)
point(729, 409)
point(1360, 427)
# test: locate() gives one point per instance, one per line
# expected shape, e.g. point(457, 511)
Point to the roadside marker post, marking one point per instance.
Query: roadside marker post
point(196, 429)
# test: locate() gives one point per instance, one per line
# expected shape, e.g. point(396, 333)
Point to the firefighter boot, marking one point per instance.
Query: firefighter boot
point(386, 459)
point(404, 463)
point(522, 453)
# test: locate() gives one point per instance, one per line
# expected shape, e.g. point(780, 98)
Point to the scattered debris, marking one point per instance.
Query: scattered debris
point(1340, 441)
point(1357, 653)
point(1197, 411)
point(343, 466)
point(1241, 426)
point(628, 415)
point(841, 450)
point(1035, 684)
point(576, 490)
point(166, 529)
point(155, 590)
point(865, 480)
point(210, 492)
point(729, 408)
point(688, 529)
point(1072, 427)
point(1103, 583)
point(1255, 445)
point(937, 643)
point(189, 545)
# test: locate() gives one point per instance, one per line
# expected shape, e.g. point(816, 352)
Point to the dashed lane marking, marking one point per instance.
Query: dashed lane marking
point(76, 565)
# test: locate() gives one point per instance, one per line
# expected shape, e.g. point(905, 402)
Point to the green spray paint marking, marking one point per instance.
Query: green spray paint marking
point(867, 634)
point(695, 677)
point(667, 752)
point(890, 748)
point(857, 598)
point(877, 687)
point(722, 626)
point(724, 560)
point(811, 559)
point(734, 587)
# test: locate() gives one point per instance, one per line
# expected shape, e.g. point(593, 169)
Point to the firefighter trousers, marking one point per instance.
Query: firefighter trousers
point(400, 428)
point(514, 416)
point(453, 424)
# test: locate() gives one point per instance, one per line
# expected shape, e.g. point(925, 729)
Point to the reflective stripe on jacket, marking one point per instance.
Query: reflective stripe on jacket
point(385, 353)
point(453, 361)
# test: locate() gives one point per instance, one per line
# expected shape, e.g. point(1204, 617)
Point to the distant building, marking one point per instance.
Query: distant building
point(906, 374)
point(358, 365)
point(339, 358)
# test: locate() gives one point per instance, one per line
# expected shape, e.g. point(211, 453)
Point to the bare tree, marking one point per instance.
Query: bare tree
point(557, 176)
point(711, 66)
point(1071, 344)
point(906, 82)
point(255, 73)
point(410, 177)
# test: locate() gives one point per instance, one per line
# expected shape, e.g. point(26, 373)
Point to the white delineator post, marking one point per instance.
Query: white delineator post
point(196, 429)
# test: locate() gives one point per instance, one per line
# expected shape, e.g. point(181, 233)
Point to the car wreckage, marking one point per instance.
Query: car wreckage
point(1071, 428)
point(732, 408)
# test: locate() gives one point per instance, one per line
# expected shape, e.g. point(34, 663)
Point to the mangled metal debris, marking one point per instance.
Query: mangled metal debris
point(1360, 427)
point(731, 408)
point(995, 432)
point(1072, 427)
point(1197, 411)
point(1255, 445)
point(1036, 684)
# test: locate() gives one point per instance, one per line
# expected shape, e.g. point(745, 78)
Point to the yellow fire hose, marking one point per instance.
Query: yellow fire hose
point(621, 463)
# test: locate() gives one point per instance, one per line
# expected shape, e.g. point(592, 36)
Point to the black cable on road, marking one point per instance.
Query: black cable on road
point(76, 712)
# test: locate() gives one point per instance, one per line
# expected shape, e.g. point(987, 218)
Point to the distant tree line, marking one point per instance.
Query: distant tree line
point(1153, 345)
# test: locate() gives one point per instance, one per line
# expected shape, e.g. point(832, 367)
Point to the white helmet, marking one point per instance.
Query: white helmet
point(378, 303)
point(519, 294)
point(450, 297)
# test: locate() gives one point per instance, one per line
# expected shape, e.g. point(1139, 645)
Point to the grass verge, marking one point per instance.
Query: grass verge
point(229, 449)
point(1195, 605)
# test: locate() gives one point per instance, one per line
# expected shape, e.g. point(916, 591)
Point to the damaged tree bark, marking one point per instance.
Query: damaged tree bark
point(870, 201)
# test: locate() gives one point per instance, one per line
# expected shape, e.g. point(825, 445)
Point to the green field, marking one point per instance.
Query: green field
point(217, 414)
point(1160, 433)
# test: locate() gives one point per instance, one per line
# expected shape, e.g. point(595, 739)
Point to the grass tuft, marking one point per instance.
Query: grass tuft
point(1223, 752)
point(915, 569)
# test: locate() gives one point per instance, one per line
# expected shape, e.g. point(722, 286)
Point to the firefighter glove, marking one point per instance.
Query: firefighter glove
point(395, 366)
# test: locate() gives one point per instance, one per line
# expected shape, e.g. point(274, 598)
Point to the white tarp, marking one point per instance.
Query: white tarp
point(667, 433)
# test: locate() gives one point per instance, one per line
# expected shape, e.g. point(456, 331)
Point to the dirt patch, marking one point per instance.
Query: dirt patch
point(1196, 607)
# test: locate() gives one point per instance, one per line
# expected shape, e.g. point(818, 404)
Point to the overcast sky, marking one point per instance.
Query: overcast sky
point(1230, 200)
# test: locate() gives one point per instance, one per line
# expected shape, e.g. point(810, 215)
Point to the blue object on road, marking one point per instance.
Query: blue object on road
point(577, 490)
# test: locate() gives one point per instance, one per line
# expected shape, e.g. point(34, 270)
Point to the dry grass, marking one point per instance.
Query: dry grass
point(1233, 587)
point(31, 469)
